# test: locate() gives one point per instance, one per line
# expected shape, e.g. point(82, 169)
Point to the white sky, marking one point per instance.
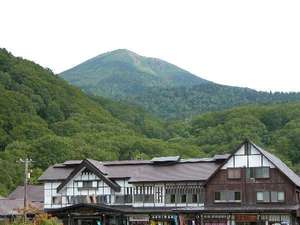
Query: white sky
point(254, 43)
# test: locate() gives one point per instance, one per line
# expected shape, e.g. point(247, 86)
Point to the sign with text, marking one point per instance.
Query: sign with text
point(245, 218)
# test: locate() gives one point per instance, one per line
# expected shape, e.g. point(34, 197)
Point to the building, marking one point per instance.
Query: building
point(248, 187)
point(12, 206)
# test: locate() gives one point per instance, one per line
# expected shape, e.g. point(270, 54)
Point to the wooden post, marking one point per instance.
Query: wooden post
point(26, 165)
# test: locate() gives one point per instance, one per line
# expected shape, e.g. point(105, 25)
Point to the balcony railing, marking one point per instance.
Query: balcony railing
point(140, 198)
point(123, 199)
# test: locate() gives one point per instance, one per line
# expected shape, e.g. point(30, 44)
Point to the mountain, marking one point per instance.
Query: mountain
point(121, 73)
point(160, 87)
point(48, 120)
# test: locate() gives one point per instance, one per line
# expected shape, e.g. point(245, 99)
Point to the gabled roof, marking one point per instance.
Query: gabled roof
point(290, 174)
point(93, 166)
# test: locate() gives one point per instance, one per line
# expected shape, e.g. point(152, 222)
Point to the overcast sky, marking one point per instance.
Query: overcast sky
point(253, 43)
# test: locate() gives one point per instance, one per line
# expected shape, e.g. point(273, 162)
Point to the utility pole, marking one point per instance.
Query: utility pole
point(26, 162)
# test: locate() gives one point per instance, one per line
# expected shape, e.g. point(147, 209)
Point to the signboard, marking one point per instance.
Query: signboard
point(245, 218)
point(139, 218)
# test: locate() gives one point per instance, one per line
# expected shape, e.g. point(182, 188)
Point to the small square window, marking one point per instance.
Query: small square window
point(260, 196)
point(217, 196)
point(56, 200)
point(237, 196)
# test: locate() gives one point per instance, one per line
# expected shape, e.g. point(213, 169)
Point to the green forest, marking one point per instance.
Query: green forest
point(45, 118)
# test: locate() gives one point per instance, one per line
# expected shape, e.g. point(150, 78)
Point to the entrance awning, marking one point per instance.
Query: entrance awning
point(85, 208)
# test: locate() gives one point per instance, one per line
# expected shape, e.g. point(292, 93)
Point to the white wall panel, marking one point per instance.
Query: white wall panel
point(255, 161)
point(240, 161)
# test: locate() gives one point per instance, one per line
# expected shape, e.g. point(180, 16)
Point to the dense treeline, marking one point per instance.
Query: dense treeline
point(185, 102)
point(43, 117)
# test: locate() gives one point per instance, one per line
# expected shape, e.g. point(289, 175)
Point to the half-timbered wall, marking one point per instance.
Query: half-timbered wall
point(85, 187)
point(247, 159)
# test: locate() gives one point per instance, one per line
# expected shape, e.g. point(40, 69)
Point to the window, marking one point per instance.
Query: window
point(220, 196)
point(258, 172)
point(87, 184)
point(237, 196)
point(280, 196)
point(173, 198)
point(263, 196)
point(259, 196)
point(277, 196)
point(227, 196)
point(194, 198)
point(56, 200)
point(262, 172)
point(183, 198)
point(234, 173)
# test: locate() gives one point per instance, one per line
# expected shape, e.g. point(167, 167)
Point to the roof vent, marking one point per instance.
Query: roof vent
point(165, 160)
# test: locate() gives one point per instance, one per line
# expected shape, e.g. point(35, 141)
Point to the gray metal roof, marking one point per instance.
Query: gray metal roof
point(142, 170)
point(56, 173)
point(35, 193)
point(10, 207)
point(175, 172)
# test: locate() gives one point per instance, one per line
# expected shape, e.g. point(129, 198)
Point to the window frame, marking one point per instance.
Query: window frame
point(183, 196)
point(264, 201)
point(262, 168)
point(226, 193)
point(253, 171)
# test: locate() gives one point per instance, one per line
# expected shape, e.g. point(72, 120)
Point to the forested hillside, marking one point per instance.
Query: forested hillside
point(275, 127)
point(185, 102)
point(160, 87)
point(50, 121)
